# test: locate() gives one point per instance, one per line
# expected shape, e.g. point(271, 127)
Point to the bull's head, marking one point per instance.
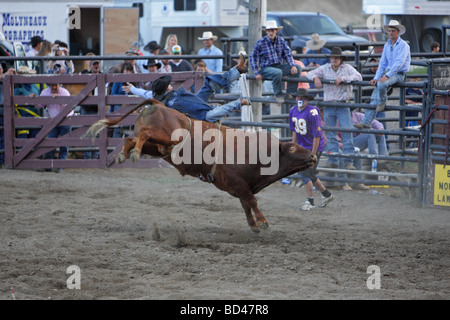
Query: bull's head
point(295, 158)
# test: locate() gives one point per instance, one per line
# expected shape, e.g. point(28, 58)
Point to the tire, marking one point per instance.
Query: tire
point(427, 38)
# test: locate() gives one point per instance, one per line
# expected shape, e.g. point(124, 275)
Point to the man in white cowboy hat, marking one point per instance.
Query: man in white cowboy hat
point(316, 46)
point(271, 59)
point(213, 65)
point(393, 66)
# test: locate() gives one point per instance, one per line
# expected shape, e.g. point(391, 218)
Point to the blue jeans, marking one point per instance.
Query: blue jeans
point(379, 96)
point(331, 116)
point(219, 111)
point(217, 82)
point(55, 133)
point(275, 73)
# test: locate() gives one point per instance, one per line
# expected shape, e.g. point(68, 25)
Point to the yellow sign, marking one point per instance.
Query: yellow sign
point(441, 185)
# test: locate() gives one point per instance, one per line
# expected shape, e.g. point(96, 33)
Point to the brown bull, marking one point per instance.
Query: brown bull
point(234, 165)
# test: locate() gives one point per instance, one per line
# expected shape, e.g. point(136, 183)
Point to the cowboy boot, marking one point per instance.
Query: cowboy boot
point(241, 62)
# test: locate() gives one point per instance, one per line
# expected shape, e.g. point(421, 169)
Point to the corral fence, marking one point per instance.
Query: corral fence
point(424, 147)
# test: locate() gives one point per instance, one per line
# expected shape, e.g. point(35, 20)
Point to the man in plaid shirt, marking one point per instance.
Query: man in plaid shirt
point(268, 61)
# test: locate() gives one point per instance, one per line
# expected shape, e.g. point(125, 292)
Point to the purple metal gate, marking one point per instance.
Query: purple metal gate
point(29, 152)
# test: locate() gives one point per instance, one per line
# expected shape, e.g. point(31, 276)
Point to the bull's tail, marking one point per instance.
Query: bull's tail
point(95, 129)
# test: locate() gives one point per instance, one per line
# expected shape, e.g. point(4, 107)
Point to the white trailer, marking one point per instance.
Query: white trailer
point(85, 25)
point(188, 19)
point(423, 19)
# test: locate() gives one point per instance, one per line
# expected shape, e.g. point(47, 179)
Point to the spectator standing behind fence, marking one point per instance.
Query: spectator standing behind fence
point(316, 46)
point(375, 143)
point(62, 66)
point(435, 47)
point(53, 109)
point(268, 61)
point(35, 43)
point(411, 100)
point(46, 50)
point(94, 68)
point(177, 64)
point(165, 63)
point(153, 49)
point(305, 124)
point(341, 73)
point(30, 90)
point(116, 90)
point(171, 41)
point(2, 132)
point(213, 65)
point(392, 69)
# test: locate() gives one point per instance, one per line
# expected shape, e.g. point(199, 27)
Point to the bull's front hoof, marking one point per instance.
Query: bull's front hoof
point(120, 158)
point(134, 155)
point(263, 225)
point(255, 229)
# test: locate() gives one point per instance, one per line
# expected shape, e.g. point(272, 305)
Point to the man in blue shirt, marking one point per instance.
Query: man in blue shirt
point(316, 46)
point(271, 59)
point(213, 65)
point(393, 66)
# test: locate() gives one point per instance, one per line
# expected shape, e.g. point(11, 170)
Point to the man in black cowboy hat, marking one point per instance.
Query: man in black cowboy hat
point(152, 65)
point(305, 124)
point(152, 47)
point(342, 73)
point(195, 105)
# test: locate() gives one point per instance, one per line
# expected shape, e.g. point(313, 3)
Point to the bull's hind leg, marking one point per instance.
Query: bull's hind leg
point(248, 213)
point(128, 144)
point(250, 205)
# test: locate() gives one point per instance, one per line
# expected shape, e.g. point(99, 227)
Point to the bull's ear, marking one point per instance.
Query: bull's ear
point(284, 146)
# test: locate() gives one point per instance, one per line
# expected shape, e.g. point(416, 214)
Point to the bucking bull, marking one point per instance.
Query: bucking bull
point(239, 162)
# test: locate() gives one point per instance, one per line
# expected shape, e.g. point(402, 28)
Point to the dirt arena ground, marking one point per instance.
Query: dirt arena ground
point(152, 234)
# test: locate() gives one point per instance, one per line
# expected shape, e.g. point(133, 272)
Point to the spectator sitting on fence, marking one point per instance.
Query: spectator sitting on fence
point(165, 63)
point(53, 109)
point(30, 90)
point(268, 62)
point(195, 105)
point(178, 64)
point(209, 49)
point(340, 92)
point(305, 124)
point(392, 69)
